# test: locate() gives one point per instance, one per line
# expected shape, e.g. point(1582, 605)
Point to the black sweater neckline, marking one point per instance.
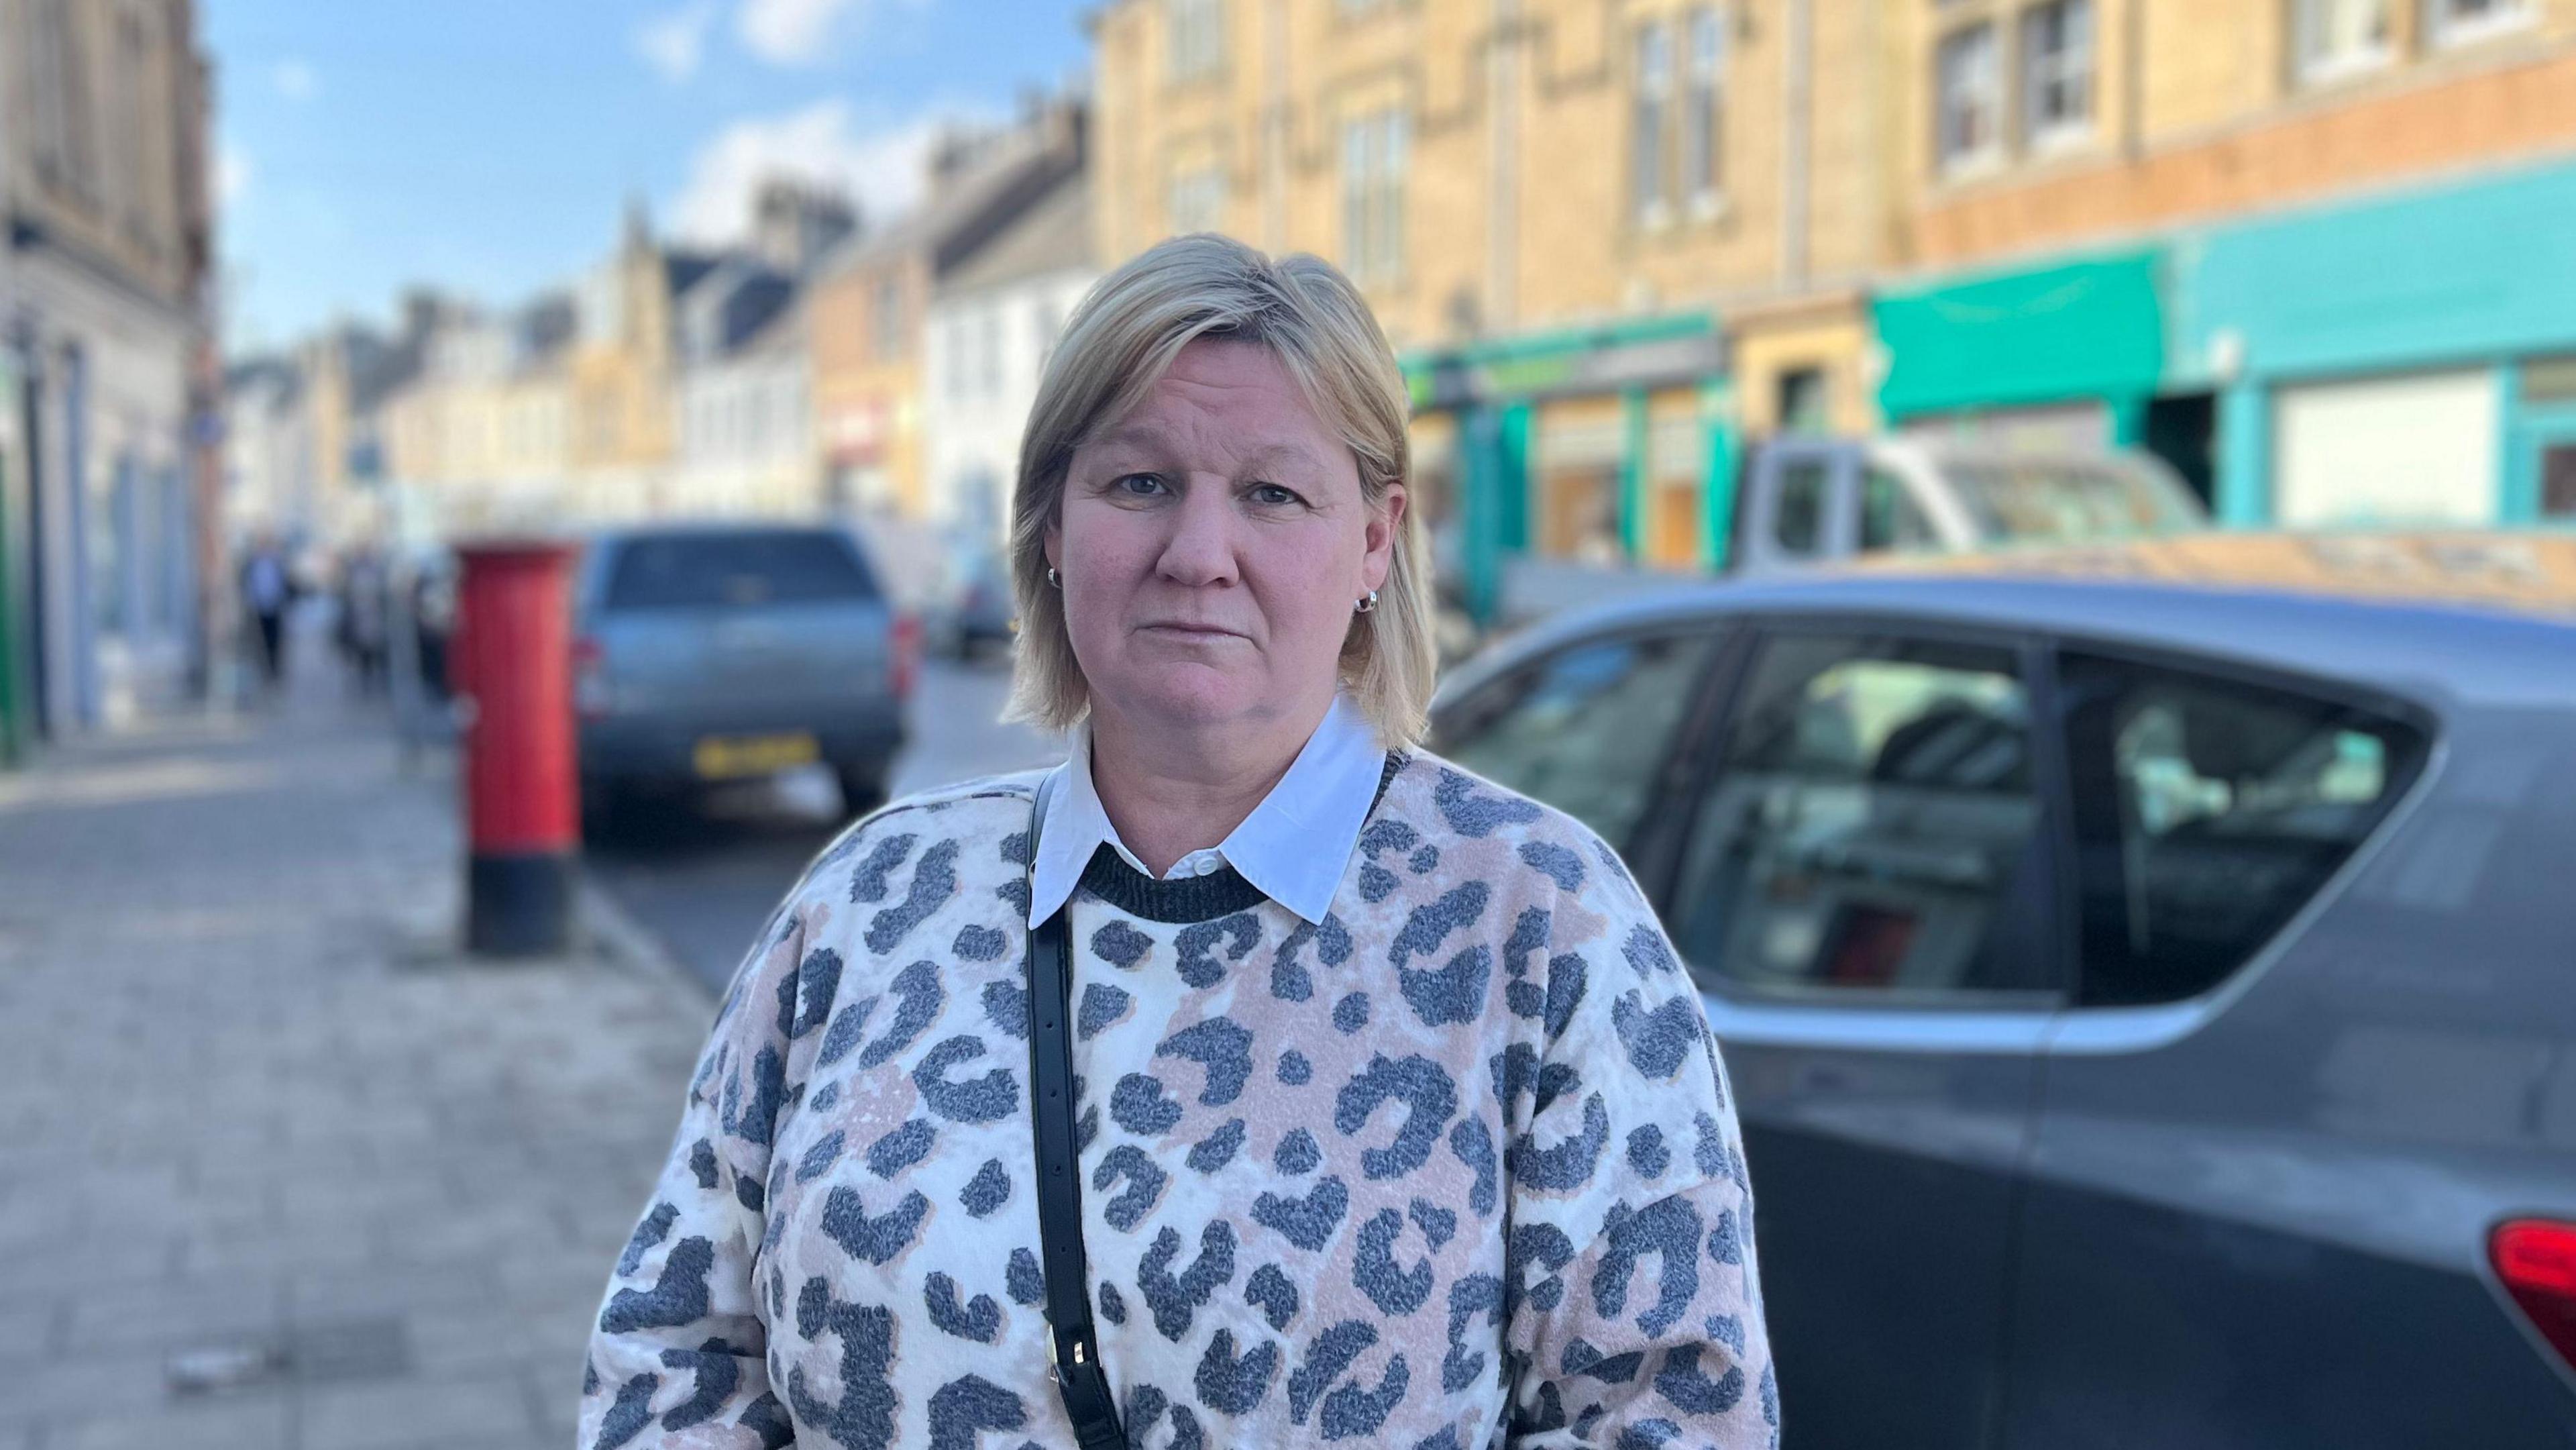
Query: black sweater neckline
point(1221, 892)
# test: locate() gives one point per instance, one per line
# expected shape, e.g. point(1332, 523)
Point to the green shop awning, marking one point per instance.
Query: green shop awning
point(1647, 352)
point(2093, 328)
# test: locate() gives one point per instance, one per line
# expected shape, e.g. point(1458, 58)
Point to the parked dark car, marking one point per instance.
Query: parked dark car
point(2150, 1001)
point(718, 653)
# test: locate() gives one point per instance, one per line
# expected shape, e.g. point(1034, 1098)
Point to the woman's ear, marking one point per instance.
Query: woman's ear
point(1385, 526)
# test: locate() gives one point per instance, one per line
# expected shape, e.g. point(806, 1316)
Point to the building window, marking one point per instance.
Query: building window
point(1654, 90)
point(2458, 22)
point(1703, 123)
point(1967, 97)
point(2057, 72)
point(1195, 35)
point(2333, 38)
point(1373, 169)
point(1804, 401)
point(1197, 201)
point(887, 315)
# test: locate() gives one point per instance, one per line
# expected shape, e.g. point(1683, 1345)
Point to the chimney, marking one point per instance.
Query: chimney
point(794, 224)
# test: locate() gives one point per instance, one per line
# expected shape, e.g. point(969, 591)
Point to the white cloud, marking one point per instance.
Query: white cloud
point(673, 44)
point(879, 169)
point(787, 32)
point(801, 32)
point(295, 80)
point(232, 174)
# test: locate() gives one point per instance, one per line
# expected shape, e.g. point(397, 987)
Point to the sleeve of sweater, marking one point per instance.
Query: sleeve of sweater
point(679, 1354)
point(1634, 1305)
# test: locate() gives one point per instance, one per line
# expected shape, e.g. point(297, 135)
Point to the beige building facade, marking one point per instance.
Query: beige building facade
point(110, 565)
point(1592, 227)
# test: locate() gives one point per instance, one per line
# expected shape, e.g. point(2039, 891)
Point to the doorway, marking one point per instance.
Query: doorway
point(2183, 431)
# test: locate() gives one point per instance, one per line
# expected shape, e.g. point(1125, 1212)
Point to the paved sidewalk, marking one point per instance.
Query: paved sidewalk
point(276, 1168)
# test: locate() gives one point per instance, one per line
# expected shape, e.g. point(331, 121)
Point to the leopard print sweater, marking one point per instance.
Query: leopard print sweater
point(1455, 1167)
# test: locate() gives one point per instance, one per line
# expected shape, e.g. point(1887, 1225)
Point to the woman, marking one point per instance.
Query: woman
point(1398, 1119)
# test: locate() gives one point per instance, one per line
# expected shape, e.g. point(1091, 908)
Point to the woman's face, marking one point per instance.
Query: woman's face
point(1212, 545)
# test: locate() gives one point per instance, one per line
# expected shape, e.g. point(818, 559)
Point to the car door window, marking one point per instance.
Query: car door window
point(2207, 812)
point(1871, 825)
point(1585, 728)
point(1890, 518)
point(1798, 517)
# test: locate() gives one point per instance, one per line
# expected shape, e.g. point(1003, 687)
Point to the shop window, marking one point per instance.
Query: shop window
point(1582, 518)
point(1871, 828)
point(2208, 811)
point(1967, 98)
point(2336, 38)
point(1676, 460)
point(2057, 73)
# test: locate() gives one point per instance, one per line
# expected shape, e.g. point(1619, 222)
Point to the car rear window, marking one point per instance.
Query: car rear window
point(2208, 810)
point(721, 569)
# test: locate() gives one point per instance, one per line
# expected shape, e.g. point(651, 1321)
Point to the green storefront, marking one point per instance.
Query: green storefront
point(1617, 440)
point(2070, 353)
point(17, 618)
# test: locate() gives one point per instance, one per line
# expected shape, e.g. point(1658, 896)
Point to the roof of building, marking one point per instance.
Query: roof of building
point(1000, 176)
point(1052, 235)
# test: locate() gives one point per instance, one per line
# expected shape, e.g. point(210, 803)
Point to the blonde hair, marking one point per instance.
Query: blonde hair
point(1118, 343)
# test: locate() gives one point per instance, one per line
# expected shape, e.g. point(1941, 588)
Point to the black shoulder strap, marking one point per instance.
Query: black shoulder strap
point(1072, 1348)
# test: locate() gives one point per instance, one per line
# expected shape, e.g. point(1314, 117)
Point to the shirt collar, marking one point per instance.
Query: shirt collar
point(1293, 848)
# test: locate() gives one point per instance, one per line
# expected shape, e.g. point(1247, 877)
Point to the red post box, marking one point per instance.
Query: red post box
point(511, 670)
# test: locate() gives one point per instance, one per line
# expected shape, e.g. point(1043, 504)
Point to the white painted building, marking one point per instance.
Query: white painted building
point(995, 314)
point(745, 437)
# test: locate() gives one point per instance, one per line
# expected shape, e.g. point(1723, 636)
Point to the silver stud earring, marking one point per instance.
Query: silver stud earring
point(1054, 580)
point(1367, 603)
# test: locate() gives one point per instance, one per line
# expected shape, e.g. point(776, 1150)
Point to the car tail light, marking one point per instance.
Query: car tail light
point(2536, 1260)
point(592, 696)
point(907, 653)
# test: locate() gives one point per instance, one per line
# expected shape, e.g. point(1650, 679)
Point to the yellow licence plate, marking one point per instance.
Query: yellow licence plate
point(721, 757)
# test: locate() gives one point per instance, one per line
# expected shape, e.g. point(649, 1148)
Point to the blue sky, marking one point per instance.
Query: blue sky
point(488, 146)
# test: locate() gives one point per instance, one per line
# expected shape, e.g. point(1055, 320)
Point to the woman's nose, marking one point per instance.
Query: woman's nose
point(1200, 549)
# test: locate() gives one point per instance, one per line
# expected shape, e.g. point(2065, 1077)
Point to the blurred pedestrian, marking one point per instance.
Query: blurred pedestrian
point(1255, 1059)
point(268, 591)
point(365, 623)
point(433, 619)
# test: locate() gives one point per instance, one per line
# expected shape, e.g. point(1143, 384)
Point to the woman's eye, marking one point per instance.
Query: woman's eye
point(1271, 493)
point(1142, 485)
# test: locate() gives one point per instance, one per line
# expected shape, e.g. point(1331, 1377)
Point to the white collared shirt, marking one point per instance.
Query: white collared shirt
point(1292, 848)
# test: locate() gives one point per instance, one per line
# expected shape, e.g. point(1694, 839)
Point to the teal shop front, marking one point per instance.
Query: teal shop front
point(2071, 352)
point(1613, 444)
point(2405, 359)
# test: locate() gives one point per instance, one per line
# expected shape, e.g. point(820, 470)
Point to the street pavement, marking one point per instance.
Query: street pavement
point(277, 1167)
point(703, 879)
